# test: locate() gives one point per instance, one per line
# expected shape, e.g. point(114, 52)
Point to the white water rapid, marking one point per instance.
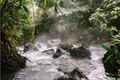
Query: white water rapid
point(42, 66)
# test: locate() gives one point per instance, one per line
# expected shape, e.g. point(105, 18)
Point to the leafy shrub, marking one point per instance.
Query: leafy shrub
point(112, 60)
point(13, 16)
point(107, 18)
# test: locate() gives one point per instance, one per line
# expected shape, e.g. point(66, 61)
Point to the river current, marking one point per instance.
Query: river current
point(42, 66)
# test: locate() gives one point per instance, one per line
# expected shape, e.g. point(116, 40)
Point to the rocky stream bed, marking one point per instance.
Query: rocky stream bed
point(48, 60)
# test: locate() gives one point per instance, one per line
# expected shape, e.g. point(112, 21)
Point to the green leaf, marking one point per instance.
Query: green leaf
point(105, 47)
point(26, 9)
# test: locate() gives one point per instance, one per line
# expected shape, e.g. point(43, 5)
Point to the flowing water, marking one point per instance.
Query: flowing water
point(42, 66)
point(68, 28)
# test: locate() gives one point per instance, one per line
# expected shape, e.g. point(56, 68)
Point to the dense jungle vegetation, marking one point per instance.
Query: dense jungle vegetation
point(107, 17)
point(17, 28)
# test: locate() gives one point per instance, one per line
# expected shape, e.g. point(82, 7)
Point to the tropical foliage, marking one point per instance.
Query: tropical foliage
point(16, 29)
point(107, 18)
point(14, 16)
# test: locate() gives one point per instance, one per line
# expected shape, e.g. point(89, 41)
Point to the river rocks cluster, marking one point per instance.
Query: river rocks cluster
point(75, 74)
point(62, 62)
point(75, 52)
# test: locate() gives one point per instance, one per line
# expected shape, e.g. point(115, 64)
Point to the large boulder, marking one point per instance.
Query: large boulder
point(75, 74)
point(57, 54)
point(77, 52)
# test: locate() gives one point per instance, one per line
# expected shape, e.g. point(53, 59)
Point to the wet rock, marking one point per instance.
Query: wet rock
point(66, 47)
point(27, 46)
point(49, 51)
point(80, 52)
point(64, 78)
point(77, 52)
point(57, 54)
point(75, 74)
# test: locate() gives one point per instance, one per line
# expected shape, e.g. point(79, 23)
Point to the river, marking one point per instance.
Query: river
point(68, 28)
point(42, 66)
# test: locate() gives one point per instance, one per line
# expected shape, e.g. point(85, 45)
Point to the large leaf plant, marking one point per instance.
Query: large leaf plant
point(107, 18)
